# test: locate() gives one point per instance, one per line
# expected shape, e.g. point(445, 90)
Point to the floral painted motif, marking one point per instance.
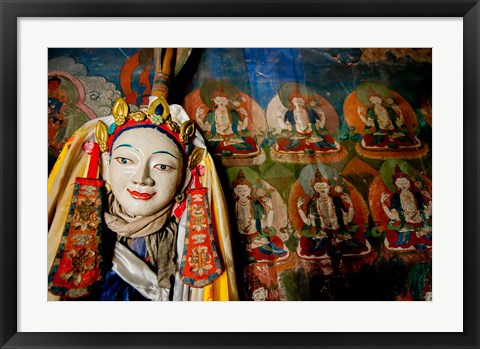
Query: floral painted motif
point(82, 261)
point(200, 261)
point(199, 222)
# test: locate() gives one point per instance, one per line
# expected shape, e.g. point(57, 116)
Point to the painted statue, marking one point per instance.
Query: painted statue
point(151, 236)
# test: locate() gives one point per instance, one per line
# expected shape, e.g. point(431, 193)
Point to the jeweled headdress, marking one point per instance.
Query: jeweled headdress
point(156, 116)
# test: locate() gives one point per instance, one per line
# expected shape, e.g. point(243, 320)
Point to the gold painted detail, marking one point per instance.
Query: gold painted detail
point(137, 116)
point(187, 131)
point(120, 111)
point(101, 133)
point(152, 108)
point(173, 125)
point(180, 197)
point(195, 157)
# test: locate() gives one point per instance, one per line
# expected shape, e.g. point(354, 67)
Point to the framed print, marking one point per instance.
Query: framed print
point(312, 184)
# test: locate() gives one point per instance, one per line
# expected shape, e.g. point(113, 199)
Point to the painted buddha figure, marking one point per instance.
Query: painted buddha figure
point(384, 124)
point(328, 221)
point(226, 125)
point(254, 214)
point(303, 126)
point(409, 210)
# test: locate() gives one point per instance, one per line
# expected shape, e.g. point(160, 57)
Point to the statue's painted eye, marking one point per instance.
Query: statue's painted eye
point(124, 161)
point(163, 167)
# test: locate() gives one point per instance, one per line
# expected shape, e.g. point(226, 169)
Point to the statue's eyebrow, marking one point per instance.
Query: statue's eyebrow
point(165, 152)
point(127, 145)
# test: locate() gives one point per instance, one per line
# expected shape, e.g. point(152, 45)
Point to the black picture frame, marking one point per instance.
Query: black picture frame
point(12, 10)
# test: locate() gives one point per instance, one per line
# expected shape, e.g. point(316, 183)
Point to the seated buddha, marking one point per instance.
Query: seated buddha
point(330, 219)
point(302, 125)
point(305, 127)
point(409, 210)
point(384, 125)
point(384, 121)
point(329, 229)
point(401, 207)
point(226, 121)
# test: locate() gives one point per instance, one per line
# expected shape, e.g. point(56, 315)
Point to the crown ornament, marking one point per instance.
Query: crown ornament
point(158, 114)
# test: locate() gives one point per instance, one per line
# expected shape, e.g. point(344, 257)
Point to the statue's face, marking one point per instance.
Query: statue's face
point(322, 188)
point(145, 171)
point(242, 191)
point(402, 183)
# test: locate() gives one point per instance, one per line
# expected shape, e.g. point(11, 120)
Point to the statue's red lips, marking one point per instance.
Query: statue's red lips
point(140, 196)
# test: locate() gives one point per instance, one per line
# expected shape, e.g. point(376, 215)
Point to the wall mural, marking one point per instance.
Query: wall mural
point(324, 157)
